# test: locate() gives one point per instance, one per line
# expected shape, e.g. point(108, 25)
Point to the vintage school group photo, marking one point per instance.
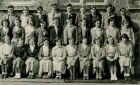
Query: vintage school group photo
point(67, 45)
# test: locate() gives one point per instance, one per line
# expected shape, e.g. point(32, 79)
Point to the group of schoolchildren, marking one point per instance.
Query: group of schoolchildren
point(46, 45)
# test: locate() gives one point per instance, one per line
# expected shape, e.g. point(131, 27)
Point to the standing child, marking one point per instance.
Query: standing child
point(111, 56)
point(55, 31)
point(98, 54)
point(6, 56)
point(113, 31)
point(125, 56)
point(69, 14)
point(97, 32)
point(20, 55)
point(59, 57)
point(32, 62)
point(42, 33)
point(18, 32)
point(5, 31)
point(10, 16)
point(24, 17)
point(46, 64)
point(71, 50)
point(93, 17)
point(29, 30)
point(70, 32)
point(83, 30)
point(126, 29)
point(84, 57)
point(40, 16)
point(80, 16)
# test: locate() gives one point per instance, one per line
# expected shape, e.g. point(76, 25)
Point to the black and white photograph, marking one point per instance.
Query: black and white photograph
point(69, 42)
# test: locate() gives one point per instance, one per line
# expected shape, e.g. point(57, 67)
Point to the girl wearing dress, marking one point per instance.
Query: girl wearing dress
point(113, 31)
point(98, 54)
point(70, 32)
point(6, 57)
point(5, 31)
point(20, 55)
point(18, 32)
point(125, 56)
point(97, 31)
point(29, 30)
point(71, 50)
point(126, 29)
point(59, 57)
point(46, 63)
point(32, 63)
point(111, 56)
point(84, 57)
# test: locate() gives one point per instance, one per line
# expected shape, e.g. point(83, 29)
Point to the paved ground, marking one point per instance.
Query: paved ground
point(63, 82)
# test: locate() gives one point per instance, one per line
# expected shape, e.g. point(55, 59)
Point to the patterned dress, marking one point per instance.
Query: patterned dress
point(59, 57)
point(46, 63)
point(71, 55)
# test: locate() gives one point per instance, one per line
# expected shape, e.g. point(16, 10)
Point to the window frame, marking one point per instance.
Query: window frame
point(18, 3)
point(83, 2)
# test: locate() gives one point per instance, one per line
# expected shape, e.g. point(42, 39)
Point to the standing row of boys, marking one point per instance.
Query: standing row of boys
point(46, 44)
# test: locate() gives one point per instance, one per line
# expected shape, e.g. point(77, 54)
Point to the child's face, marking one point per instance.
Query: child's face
point(17, 23)
point(98, 42)
point(108, 9)
point(112, 23)
point(126, 24)
point(123, 12)
point(69, 22)
point(46, 42)
point(93, 10)
point(7, 40)
point(30, 21)
point(53, 8)
point(82, 10)
point(43, 25)
point(69, 9)
point(71, 41)
point(39, 11)
point(97, 23)
point(20, 43)
point(84, 41)
point(32, 42)
point(5, 23)
point(58, 43)
point(25, 11)
point(10, 10)
point(110, 40)
point(124, 40)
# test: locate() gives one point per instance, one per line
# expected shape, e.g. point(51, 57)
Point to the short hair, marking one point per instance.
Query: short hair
point(32, 18)
point(98, 38)
point(57, 39)
point(69, 5)
point(25, 8)
point(123, 9)
point(54, 4)
point(109, 5)
point(91, 7)
point(10, 6)
point(5, 20)
point(125, 36)
point(112, 38)
point(40, 7)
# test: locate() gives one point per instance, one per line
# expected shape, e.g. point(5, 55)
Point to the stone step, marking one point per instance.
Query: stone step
point(66, 81)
